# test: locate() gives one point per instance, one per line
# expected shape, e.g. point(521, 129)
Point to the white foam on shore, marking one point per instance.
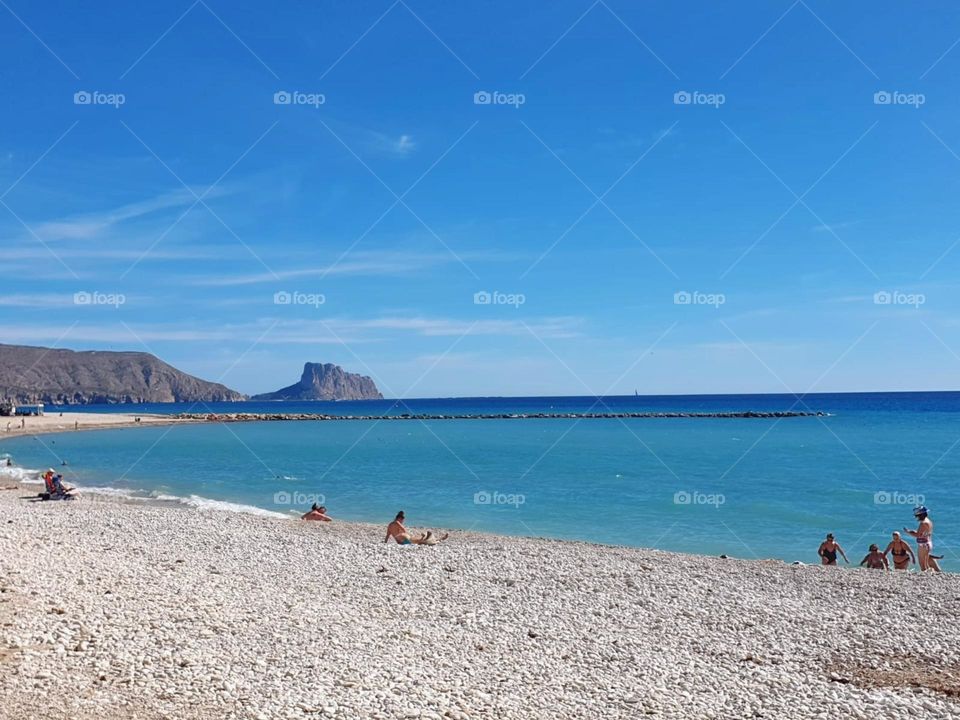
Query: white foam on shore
point(202, 503)
point(29, 476)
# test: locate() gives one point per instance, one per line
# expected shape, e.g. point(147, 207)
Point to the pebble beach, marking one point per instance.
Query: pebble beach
point(115, 609)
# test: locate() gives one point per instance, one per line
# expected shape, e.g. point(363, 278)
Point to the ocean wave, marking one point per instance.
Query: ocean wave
point(30, 476)
point(27, 476)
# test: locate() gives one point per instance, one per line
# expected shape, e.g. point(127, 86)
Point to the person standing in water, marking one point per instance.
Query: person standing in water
point(924, 536)
point(902, 553)
point(875, 560)
point(828, 551)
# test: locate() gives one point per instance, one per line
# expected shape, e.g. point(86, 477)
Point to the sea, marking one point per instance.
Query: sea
point(745, 488)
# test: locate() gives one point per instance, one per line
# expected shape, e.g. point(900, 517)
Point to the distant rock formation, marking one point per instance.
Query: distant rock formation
point(37, 374)
point(325, 381)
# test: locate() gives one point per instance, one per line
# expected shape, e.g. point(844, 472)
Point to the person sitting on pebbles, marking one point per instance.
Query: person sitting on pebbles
point(317, 512)
point(902, 553)
point(828, 551)
point(53, 484)
point(875, 560)
point(398, 532)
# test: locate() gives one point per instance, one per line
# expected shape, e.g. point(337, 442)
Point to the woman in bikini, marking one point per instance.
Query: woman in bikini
point(901, 551)
point(924, 536)
point(828, 551)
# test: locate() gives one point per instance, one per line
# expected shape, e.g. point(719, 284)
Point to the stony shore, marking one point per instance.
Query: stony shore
point(113, 610)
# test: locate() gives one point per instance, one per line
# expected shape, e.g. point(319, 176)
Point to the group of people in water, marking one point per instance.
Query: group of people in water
point(897, 548)
point(396, 529)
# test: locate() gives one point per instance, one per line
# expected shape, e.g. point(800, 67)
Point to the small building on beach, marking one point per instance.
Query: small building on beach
point(7, 408)
point(29, 410)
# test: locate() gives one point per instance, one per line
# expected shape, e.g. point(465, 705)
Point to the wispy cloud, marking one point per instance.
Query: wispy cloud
point(833, 227)
point(36, 301)
point(367, 263)
point(395, 146)
point(333, 331)
point(87, 226)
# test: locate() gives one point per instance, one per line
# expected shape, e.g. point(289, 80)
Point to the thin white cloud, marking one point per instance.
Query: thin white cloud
point(833, 227)
point(36, 301)
point(89, 226)
point(333, 331)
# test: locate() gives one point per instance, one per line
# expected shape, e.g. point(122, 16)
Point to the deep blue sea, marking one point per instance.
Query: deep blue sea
point(751, 488)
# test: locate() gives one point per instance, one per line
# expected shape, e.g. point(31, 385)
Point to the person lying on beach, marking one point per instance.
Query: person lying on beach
point(924, 536)
point(398, 532)
point(902, 553)
point(828, 551)
point(875, 560)
point(317, 512)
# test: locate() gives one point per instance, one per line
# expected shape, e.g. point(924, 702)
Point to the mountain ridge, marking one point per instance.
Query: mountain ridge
point(70, 377)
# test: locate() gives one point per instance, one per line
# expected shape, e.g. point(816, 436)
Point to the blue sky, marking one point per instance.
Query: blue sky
point(588, 196)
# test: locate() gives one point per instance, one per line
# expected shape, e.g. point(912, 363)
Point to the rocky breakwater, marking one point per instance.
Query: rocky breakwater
point(263, 417)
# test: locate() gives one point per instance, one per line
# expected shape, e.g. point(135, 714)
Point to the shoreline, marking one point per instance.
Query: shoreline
point(199, 614)
point(69, 422)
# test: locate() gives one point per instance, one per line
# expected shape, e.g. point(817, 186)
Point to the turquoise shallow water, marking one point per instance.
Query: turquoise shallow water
point(747, 488)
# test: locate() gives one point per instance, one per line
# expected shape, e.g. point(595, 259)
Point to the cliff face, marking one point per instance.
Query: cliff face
point(326, 382)
point(76, 378)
